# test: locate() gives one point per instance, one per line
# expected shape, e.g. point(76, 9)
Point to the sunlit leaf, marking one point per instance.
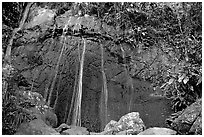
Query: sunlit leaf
point(192, 89)
point(199, 81)
point(163, 85)
point(171, 81)
point(181, 78)
point(192, 73)
point(186, 80)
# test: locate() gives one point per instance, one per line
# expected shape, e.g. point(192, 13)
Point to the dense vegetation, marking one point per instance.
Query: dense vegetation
point(174, 29)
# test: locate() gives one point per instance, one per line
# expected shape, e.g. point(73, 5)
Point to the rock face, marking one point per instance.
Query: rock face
point(158, 131)
point(188, 121)
point(40, 47)
point(130, 124)
point(35, 127)
point(152, 109)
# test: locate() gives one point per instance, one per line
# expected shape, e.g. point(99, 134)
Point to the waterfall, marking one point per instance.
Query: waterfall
point(76, 116)
point(104, 94)
point(63, 41)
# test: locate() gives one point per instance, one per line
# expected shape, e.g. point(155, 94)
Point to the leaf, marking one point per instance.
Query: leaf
point(77, 27)
point(192, 89)
point(171, 81)
point(185, 80)
point(199, 81)
point(192, 73)
point(163, 85)
point(181, 78)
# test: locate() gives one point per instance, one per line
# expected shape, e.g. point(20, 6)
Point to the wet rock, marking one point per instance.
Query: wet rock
point(50, 118)
point(40, 16)
point(122, 132)
point(62, 127)
point(94, 133)
point(35, 127)
point(75, 130)
point(189, 120)
point(158, 131)
point(110, 125)
point(129, 124)
point(132, 123)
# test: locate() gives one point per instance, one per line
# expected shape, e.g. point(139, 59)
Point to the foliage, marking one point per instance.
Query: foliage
point(166, 28)
point(184, 74)
point(174, 29)
point(12, 13)
point(13, 109)
point(13, 114)
point(17, 103)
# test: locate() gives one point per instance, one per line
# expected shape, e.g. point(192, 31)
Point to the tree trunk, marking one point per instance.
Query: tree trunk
point(7, 58)
point(21, 24)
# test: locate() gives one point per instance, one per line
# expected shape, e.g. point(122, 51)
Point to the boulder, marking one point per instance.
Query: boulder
point(158, 131)
point(62, 127)
point(110, 125)
point(94, 133)
point(75, 130)
point(35, 127)
point(122, 132)
point(44, 113)
point(132, 123)
point(50, 118)
point(189, 120)
point(129, 124)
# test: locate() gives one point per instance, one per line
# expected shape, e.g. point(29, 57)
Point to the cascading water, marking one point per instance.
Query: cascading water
point(129, 83)
point(63, 40)
point(104, 93)
point(69, 118)
point(50, 77)
point(76, 115)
